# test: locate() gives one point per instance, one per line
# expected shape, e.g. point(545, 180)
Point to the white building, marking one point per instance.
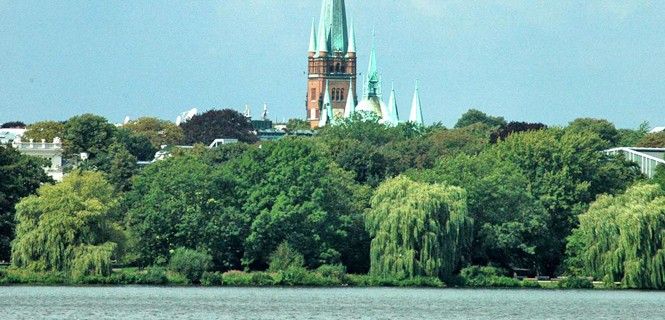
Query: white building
point(50, 151)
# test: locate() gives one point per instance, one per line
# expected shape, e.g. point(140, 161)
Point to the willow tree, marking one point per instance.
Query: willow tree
point(417, 229)
point(68, 227)
point(622, 238)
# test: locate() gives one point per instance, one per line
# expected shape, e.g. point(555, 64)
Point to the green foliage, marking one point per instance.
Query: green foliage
point(67, 227)
point(20, 176)
point(47, 130)
point(653, 140)
point(158, 132)
point(620, 238)
point(297, 124)
point(659, 177)
point(333, 271)
point(218, 124)
point(137, 144)
point(630, 137)
point(574, 282)
point(190, 263)
point(88, 133)
point(418, 229)
point(474, 116)
point(285, 257)
point(180, 202)
point(293, 192)
point(13, 124)
point(603, 128)
point(486, 277)
point(122, 167)
point(235, 278)
point(212, 279)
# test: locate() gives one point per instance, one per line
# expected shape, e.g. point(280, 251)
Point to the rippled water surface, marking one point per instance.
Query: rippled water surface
point(343, 303)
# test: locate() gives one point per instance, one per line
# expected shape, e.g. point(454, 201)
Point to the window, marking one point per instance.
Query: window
point(312, 113)
point(339, 67)
point(313, 94)
point(341, 94)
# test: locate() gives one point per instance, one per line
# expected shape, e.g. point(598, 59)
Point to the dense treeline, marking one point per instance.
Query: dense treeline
point(403, 202)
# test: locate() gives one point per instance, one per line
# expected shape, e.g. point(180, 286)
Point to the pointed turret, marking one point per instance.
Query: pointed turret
point(392, 114)
point(248, 112)
point(351, 51)
point(416, 108)
point(326, 108)
point(312, 41)
point(350, 107)
point(372, 81)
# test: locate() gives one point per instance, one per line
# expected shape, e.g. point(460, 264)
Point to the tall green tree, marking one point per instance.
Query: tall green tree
point(474, 116)
point(417, 229)
point(182, 202)
point(294, 192)
point(122, 167)
point(218, 124)
point(88, 133)
point(622, 238)
point(68, 227)
point(653, 140)
point(20, 176)
point(47, 130)
point(603, 128)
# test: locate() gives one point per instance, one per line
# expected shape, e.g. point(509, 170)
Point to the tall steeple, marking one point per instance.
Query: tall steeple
point(312, 41)
point(416, 108)
point(331, 63)
point(351, 50)
point(350, 107)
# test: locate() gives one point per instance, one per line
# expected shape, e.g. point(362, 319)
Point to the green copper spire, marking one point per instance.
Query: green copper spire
point(350, 107)
point(352, 39)
point(373, 80)
point(333, 23)
point(312, 39)
point(416, 108)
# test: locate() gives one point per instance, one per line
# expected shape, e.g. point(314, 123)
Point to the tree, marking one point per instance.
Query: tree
point(620, 238)
point(88, 133)
point(514, 127)
point(294, 192)
point(20, 176)
point(122, 167)
point(476, 116)
point(13, 124)
point(417, 229)
point(137, 144)
point(159, 132)
point(47, 130)
point(68, 227)
point(659, 178)
point(653, 140)
point(630, 138)
point(566, 172)
point(297, 124)
point(217, 124)
point(182, 202)
point(510, 224)
point(603, 128)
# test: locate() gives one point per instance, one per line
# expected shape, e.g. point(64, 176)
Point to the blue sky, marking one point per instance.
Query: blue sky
point(545, 61)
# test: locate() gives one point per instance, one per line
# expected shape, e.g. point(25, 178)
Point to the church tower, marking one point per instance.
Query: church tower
point(331, 63)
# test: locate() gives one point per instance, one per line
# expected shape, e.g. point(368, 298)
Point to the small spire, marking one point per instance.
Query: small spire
point(352, 39)
point(264, 114)
point(350, 107)
point(372, 81)
point(393, 113)
point(312, 39)
point(326, 109)
point(416, 108)
point(248, 112)
point(322, 41)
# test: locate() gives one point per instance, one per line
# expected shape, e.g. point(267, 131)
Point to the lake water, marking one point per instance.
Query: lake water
point(342, 303)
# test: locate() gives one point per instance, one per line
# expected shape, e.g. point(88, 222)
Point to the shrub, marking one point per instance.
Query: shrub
point(236, 278)
point(262, 279)
point(574, 282)
point(530, 284)
point(211, 279)
point(476, 276)
point(153, 276)
point(333, 271)
point(285, 257)
point(190, 263)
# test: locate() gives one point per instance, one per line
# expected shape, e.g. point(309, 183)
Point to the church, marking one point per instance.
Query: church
point(332, 75)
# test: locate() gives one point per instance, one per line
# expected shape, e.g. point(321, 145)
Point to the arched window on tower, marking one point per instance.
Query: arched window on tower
point(341, 94)
point(339, 67)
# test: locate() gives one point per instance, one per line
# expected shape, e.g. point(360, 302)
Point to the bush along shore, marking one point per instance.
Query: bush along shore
point(324, 276)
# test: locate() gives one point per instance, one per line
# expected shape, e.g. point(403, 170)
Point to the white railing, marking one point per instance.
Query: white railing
point(647, 163)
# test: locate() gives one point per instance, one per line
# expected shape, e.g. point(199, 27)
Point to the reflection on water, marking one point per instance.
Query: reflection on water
point(343, 303)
